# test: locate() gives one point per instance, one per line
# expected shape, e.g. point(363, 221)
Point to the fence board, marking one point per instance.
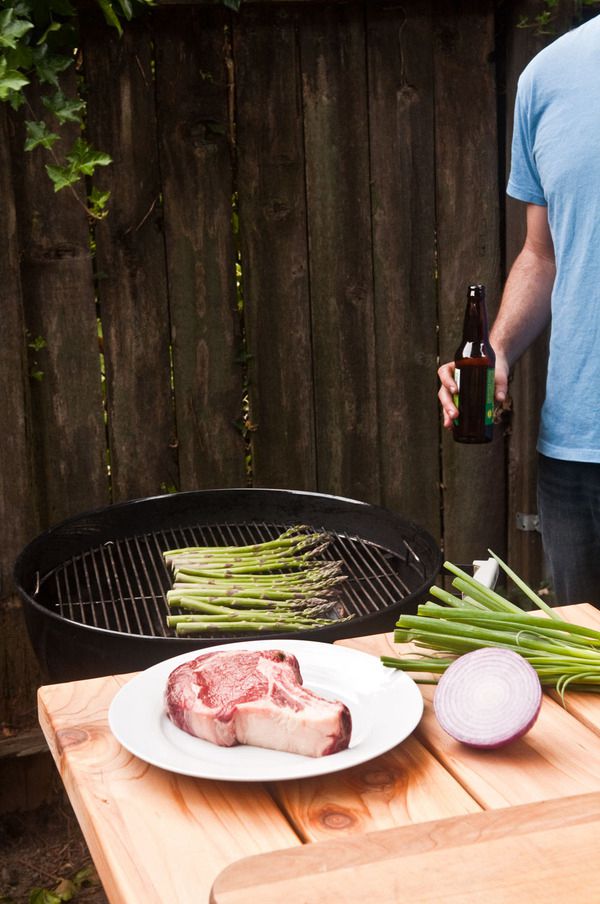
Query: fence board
point(403, 197)
point(68, 435)
point(18, 514)
point(130, 261)
point(194, 134)
point(273, 228)
point(468, 251)
point(18, 508)
point(341, 272)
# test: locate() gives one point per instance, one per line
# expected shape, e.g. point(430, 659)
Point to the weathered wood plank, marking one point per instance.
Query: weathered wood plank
point(272, 201)
point(18, 503)
point(332, 46)
point(27, 782)
point(67, 432)
point(18, 493)
point(468, 252)
point(132, 288)
point(22, 743)
point(194, 97)
point(399, 48)
point(20, 674)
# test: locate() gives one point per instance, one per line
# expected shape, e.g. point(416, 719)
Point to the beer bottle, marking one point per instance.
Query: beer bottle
point(474, 375)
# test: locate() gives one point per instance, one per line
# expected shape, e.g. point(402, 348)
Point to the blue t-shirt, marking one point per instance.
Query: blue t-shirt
point(556, 163)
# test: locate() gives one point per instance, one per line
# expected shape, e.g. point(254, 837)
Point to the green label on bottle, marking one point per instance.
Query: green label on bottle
point(489, 397)
point(488, 416)
point(455, 397)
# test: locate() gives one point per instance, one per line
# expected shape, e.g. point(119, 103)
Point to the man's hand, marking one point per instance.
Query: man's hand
point(523, 314)
point(446, 393)
point(448, 387)
point(501, 378)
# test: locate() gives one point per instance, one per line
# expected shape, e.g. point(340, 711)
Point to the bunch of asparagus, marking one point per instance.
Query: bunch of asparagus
point(275, 586)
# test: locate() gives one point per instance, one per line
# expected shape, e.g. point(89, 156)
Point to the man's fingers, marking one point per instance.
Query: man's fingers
point(446, 375)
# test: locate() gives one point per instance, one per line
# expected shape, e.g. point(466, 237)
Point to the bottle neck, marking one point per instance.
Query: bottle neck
point(475, 328)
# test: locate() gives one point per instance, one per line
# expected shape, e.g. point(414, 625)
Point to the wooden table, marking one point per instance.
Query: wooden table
point(430, 821)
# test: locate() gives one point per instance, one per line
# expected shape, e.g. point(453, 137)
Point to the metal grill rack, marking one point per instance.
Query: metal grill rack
point(121, 585)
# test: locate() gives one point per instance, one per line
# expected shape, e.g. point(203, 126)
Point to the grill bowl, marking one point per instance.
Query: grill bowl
point(93, 587)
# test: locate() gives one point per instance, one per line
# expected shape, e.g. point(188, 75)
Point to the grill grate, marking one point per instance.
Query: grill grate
point(121, 585)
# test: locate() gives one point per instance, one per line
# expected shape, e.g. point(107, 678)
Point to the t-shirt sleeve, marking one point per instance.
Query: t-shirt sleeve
point(524, 182)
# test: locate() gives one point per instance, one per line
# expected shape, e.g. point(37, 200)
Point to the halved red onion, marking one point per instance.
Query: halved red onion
point(488, 697)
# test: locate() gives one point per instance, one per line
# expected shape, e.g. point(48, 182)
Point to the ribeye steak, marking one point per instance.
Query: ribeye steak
point(255, 697)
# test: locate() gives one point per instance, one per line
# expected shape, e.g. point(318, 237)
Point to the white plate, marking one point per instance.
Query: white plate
point(386, 705)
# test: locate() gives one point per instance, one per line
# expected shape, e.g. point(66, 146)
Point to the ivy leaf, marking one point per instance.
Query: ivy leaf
point(54, 26)
point(64, 109)
point(21, 7)
point(126, 8)
point(62, 176)
point(98, 200)
point(38, 343)
point(10, 79)
point(85, 876)
point(12, 27)
point(48, 66)
point(16, 99)
point(19, 57)
point(86, 158)
point(39, 136)
point(42, 895)
point(82, 161)
point(110, 15)
point(66, 890)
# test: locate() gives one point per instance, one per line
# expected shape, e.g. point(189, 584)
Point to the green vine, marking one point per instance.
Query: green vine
point(544, 22)
point(39, 42)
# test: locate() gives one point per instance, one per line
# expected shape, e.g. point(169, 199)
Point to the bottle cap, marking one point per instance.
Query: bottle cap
point(477, 290)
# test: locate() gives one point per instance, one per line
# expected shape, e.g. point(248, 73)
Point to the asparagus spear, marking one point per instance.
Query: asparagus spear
point(277, 585)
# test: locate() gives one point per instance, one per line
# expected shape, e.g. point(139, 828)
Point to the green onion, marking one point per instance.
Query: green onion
point(565, 656)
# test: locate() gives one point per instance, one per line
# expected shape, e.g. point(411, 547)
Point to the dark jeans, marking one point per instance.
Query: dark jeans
point(569, 510)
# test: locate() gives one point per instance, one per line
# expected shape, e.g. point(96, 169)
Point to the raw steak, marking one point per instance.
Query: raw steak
point(255, 697)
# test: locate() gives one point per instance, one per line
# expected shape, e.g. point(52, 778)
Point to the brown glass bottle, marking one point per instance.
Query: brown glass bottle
point(475, 361)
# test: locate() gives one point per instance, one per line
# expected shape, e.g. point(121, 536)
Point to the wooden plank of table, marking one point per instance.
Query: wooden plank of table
point(545, 850)
point(154, 836)
point(558, 757)
point(401, 787)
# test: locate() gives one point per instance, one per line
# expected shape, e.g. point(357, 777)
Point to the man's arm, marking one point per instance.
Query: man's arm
point(524, 310)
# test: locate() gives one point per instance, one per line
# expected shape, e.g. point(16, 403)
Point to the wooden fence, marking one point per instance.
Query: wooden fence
point(301, 193)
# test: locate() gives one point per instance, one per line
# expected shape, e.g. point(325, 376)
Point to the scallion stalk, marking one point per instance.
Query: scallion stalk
point(564, 655)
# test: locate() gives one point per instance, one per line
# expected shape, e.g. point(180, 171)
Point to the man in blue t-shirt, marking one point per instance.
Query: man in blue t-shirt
point(555, 170)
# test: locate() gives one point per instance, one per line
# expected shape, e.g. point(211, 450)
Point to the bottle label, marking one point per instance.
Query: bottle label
point(456, 396)
point(489, 397)
point(488, 414)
